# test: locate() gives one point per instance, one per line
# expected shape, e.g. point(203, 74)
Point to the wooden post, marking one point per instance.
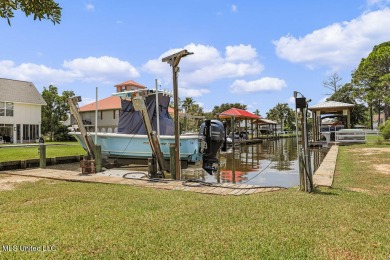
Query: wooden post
point(172, 165)
point(98, 158)
point(233, 141)
point(152, 167)
point(42, 155)
point(174, 60)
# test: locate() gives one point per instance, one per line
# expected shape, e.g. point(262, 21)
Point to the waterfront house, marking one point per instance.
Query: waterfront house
point(20, 111)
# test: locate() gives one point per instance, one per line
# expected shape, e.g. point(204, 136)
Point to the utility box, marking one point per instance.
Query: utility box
point(300, 102)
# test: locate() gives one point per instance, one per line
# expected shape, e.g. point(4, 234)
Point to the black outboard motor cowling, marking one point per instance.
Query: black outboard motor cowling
point(212, 136)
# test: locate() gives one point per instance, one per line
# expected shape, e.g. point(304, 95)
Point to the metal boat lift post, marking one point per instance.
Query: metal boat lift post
point(174, 60)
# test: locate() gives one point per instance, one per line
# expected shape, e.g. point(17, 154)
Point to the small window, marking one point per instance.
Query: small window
point(6, 109)
point(101, 115)
point(2, 108)
point(9, 109)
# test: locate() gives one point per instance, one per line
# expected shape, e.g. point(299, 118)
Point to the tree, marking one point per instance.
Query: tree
point(333, 83)
point(372, 78)
point(42, 9)
point(56, 109)
point(226, 106)
point(192, 113)
point(187, 103)
point(359, 111)
point(257, 112)
point(283, 114)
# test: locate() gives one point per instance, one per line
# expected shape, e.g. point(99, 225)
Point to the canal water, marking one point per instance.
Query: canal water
point(270, 163)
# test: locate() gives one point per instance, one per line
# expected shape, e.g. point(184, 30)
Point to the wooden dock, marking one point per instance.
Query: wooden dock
point(324, 174)
point(166, 184)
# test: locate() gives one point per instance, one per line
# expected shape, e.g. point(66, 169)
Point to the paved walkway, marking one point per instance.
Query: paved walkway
point(133, 178)
point(324, 174)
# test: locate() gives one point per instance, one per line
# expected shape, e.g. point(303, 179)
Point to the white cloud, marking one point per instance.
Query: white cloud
point(33, 72)
point(378, 2)
point(337, 45)
point(186, 92)
point(207, 65)
point(89, 7)
point(104, 69)
point(234, 8)
point(263, 84)
point(291, 101)
point(240, 53)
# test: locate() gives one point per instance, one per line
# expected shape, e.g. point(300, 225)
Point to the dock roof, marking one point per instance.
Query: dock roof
point(330, 105)
point(238, 114)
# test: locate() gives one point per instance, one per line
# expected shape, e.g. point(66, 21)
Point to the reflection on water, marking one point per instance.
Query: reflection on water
point(271, 163)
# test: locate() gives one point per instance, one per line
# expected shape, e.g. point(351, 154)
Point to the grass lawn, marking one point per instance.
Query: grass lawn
point(31, 152)
point(84, 220)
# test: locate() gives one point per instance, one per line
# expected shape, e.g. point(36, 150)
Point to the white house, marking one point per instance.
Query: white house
point(20, 111)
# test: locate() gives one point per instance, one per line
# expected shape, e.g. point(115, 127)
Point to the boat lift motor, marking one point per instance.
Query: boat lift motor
point(212, 136)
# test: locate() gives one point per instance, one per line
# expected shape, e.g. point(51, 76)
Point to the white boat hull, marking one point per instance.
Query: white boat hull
point(137, 146)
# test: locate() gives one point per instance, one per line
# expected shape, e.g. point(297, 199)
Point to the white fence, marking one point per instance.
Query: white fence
point(351, 136)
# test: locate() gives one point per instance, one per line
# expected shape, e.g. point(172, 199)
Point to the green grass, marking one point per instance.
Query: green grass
point(31, 152)
point(116, 221)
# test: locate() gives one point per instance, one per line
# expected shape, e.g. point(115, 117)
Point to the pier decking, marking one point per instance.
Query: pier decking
point(166, 184)
point(324, 174)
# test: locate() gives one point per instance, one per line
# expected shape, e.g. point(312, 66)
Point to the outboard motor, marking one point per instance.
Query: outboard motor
point(212, 136)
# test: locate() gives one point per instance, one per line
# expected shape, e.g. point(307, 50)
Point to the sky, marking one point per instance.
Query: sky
point(253, 52)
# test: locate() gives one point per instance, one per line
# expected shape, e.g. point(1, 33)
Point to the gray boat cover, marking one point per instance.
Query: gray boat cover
point(130, 121)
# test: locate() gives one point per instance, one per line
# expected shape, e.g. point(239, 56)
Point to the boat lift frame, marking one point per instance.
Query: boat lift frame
point(139, 105)
point(72, 101)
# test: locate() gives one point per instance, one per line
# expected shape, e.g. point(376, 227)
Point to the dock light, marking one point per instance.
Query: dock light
point(76, 98)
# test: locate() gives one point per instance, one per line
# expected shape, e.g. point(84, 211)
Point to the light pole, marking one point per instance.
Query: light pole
point(301, 103)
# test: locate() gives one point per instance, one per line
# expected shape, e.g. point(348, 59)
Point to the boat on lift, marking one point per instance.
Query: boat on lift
point(132, 142)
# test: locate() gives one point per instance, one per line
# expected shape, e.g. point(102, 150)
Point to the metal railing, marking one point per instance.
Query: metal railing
point(351, 136)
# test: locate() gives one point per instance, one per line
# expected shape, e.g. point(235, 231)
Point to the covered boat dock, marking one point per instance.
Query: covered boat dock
point(334, 109)
point(234, 114)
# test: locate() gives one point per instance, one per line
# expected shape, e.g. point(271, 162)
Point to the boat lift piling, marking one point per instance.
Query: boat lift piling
point(173, 60)
point(306, 175)
point(139, 105)
point(93, 163)
point(84, 134)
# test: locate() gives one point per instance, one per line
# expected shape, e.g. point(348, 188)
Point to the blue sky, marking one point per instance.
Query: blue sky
point(253, 52)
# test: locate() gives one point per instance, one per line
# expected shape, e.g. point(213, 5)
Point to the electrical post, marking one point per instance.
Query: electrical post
point(306, 178)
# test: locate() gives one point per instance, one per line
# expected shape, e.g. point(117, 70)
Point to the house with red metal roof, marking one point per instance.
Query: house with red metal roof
point(108, 109)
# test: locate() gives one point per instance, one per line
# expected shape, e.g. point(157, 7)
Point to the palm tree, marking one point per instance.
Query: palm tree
point(187, 103)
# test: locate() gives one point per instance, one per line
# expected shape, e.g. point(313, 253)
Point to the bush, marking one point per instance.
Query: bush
point(61, 134)
point(385, 130)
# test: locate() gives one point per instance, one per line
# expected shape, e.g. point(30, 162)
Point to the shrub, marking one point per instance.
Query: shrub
point(385, 130)
point(61, 134)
